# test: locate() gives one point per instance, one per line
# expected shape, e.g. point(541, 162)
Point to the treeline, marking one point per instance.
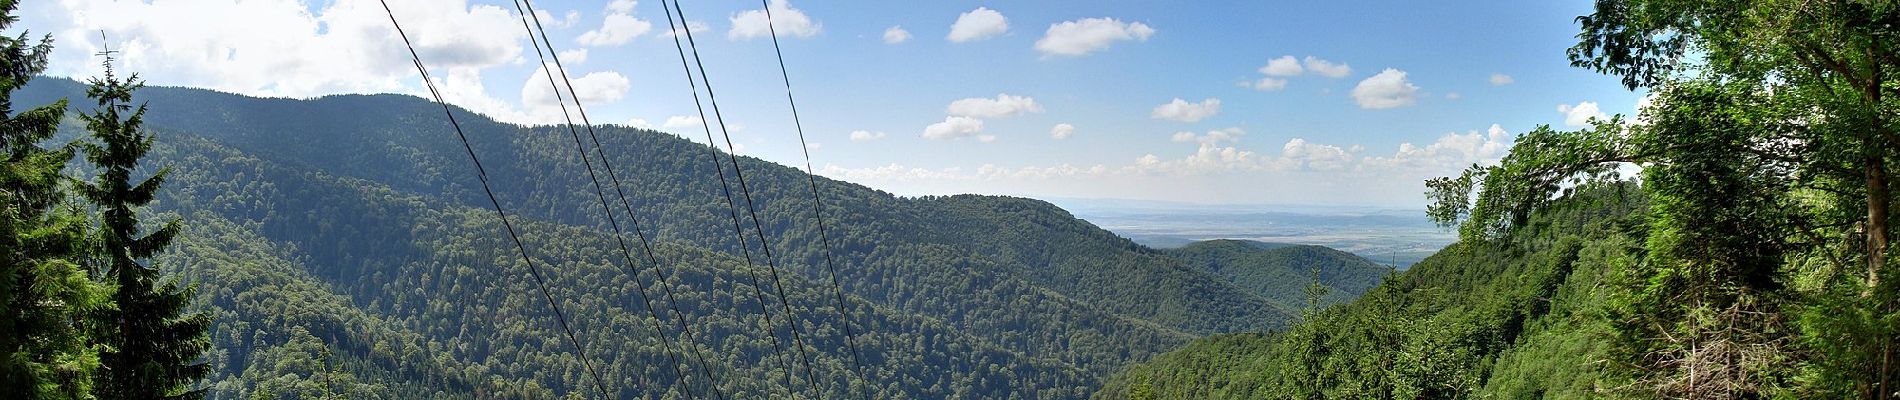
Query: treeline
point(83, 312)
point(1749, 259)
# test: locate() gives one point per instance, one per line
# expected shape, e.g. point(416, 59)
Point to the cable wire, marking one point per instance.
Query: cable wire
point(811, 179)
point(660, 273)
point(613, 222)
point(482, 175)
point(771, 263)
point(732, 207)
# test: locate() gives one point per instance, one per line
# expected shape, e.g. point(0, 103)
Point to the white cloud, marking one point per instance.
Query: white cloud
point(954, 127)
point(1083, 36)
point(1326, 172)
point(615, 30)
point(573, 56)
point(1298, 154)
point(1267, 84)
point(275, 47)
point(866, 136)
point(639, 123)
point(681, 122)
point(1501, 79)
point(696, 26)
point(978, 24)
point(1452, 96)
point(1283, 66)
point(895, 35)
point(1217, 136)
point(788, 21)
point(1004, 105)
point(573, 17)
point(1388, 89)
point(1062, 131)
point(621, 6)
point(595, 88)
point(1327, 68)
point(1448, 154)
point(1580, 115)
point(1181, 110)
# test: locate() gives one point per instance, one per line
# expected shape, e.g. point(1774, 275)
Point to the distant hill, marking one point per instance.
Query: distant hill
point(1522, 319)
point(1280, 272)
point(345, 247)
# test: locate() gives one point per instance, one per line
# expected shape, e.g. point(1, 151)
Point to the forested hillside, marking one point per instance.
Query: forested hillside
point(343, 246)
point(1282, 272)
point(1749, 257)
point(1516, 319)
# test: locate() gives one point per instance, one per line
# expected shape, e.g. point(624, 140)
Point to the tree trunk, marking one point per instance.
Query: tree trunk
point(1877, 200)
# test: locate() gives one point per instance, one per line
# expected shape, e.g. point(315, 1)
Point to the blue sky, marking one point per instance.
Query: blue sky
point(1105, 69)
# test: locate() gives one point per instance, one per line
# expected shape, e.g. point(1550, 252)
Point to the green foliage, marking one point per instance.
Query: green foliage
point(1281, 273)
point(1477, 319)
point(151, 344)
point(354, 219)
point(43, 290)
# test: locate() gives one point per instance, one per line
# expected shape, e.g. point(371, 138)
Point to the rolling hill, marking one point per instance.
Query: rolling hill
point(345, 247)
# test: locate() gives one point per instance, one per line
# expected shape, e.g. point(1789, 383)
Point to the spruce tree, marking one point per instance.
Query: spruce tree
point(152, 346)
point(43, 291)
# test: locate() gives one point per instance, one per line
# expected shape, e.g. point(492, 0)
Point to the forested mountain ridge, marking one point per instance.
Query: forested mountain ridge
point(1281, 272)
point(369, 198)
point(1517, 319)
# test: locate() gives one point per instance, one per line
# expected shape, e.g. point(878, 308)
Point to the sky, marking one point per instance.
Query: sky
point(1350, 103)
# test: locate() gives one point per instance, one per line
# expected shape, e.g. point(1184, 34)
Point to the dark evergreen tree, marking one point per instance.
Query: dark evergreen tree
point(152, 346)
point(42, 289)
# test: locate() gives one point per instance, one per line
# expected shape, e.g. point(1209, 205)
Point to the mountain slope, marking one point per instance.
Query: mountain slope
point(1519, 319)
point(1280, 272)
point(369, 199)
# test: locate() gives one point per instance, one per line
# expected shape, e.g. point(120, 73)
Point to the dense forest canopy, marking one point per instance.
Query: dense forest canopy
point(341, 248)
point(1747, 259)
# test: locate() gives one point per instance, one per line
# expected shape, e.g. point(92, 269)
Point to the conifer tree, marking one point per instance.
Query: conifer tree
point(152, 346)
point(43, 291)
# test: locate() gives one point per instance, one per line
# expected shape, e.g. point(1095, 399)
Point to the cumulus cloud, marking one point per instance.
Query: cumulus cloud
point(681, 122)
point(276, 47)
point(954, 127)
point(1217, 136)
point(1214, 153)
point(1062, 131)
point(1004, 105)
point(594, 87)
point(1450, 152)
point(1453, 96)
point(866, 136)
point(572, 17)
point(621, 6)
point(786, 20)
point(1217, 153)
point(1183, 111)
point(615, 29)
point(1299, 154)
point(1501, 79)
point(1083, 36)
point(1579, 115)
point(639, 123)
point(981, 23)
point(695, 26)
point(1283, 66)
point(1327, 68)
point(573, 56)
point(1388, 89)
point(1267, 84)
point(895, 35)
